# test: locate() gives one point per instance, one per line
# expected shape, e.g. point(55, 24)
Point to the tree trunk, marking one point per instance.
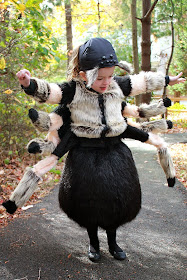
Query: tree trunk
point(135, 45)
point(134, 37)
point(172, 51)
point(177, 94)
point(69, 36)
point(146, 44)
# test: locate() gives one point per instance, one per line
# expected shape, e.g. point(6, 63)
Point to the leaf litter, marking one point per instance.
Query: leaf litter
point(10, 176)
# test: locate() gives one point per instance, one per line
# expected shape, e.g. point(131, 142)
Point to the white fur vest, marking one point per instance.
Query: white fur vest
point(94, 115)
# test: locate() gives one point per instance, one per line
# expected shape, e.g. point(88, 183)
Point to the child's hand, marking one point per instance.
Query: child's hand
point(176, 79)
point(24, 77)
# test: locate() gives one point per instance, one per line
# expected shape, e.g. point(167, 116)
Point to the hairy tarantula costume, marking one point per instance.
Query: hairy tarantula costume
point(99, 185)
point(60, 138)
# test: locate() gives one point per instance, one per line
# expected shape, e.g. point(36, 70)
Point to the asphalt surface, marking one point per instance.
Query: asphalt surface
point(47, 245)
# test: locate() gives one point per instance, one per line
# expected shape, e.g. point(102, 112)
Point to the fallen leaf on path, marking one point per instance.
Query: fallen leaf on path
point(26, 207)
point(69, 256)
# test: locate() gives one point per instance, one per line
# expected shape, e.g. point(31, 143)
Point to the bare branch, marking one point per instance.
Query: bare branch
point(150, 10)
point(172, 48)
point(12, 43)
point(139, 18)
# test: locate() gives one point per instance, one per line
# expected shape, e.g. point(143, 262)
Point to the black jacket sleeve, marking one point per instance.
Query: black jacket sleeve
point(67, 142)
point(124, 83)
point(135, 133)
point(40, 90)
point(68, 90)
point(30, 90)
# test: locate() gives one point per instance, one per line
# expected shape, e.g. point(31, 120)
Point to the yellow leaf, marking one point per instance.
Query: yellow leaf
point(8, 91)
point(4, 5)
point(21, 7)
point(2, 63)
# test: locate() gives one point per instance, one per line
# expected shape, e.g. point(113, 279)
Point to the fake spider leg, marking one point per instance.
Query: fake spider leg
point(146, 110)
point(44, 146)
point(167, 165)
point(164, 157)
point(29, 183)
point(158, 126)
point(45, 122)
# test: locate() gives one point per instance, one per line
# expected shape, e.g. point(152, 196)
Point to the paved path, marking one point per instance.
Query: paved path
point(46, 245)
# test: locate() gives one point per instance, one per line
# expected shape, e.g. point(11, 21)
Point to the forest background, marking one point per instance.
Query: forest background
point(34, 36)
point(39, 36)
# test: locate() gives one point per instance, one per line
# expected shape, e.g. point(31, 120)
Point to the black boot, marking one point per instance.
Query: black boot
point(93, 251)
point(93, 254)
point(114, 249)
point(117, 253)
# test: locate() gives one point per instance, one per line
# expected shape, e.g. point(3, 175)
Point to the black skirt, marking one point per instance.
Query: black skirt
point(100, 186)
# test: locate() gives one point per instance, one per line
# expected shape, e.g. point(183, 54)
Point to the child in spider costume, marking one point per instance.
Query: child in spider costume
point(99, 185)
point(51, 122)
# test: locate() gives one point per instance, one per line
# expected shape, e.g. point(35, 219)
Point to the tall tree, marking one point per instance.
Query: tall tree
point(146, 33)
point(135, 44)
point(146, 42)
point(69, 35)
point(134, 37)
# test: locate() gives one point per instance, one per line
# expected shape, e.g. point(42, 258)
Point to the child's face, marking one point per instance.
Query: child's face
point(103, 79)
